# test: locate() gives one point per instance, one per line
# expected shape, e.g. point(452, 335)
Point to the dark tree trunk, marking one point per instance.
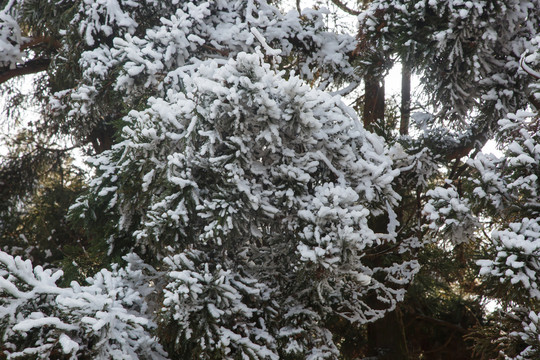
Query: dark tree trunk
point(405, 99)
point(373, 101)
point(386, 338)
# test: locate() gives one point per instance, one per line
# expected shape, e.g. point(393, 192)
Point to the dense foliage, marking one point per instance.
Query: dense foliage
point(232, 206)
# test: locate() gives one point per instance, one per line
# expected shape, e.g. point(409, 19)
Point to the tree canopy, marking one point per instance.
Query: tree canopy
point(249, 190)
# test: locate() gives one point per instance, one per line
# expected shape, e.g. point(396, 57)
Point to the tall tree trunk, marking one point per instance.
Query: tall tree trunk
point(386, 338)
point(373, 101)
point(405, 99)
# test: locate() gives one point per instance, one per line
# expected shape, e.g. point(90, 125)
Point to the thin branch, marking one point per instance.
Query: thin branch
point(345, 8)
point(446, 324)
point(453, 171)
point(211, 48)
point(463, 167)
point(40, 40)
point(382, 252)
point(439, 348)
point(57, 150)
point(527, 69)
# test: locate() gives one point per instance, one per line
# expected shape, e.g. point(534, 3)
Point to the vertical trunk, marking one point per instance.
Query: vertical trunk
point(405, 99)
point(373, 101)
point(386, 338)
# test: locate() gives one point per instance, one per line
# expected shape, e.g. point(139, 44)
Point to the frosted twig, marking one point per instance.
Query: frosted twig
point(527, 68)
point(269, 51)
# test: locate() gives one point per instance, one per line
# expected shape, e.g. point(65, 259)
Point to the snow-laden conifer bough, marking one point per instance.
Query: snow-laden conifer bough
point(261, 188)
point(250, 191)
point(250, 207)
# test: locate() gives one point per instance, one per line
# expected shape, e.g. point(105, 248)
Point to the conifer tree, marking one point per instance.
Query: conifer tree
point(235, 207)
point(467, 54)
point(255, 192)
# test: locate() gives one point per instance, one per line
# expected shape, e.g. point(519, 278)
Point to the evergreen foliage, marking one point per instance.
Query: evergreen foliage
point(232, 205)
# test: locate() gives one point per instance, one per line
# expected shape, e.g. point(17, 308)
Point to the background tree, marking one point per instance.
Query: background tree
point(451, 45)
point(267, 222)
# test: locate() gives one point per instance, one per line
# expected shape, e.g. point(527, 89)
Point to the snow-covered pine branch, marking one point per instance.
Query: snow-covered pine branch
point(106, 319)
point(257, 191)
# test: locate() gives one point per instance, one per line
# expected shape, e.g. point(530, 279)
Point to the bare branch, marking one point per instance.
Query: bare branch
point(48, 43)
point(345, 8)
point(211, 48)
point(443, 323)
point(30, 67)
point(527, 68)
point(41, 40)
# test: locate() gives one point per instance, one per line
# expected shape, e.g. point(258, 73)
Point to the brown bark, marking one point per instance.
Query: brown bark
point(30, 67)
point(345, 8)
point(45, 41)
point(386, 338)
point(41, 63)
point(373, 101)
point(405, 99)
